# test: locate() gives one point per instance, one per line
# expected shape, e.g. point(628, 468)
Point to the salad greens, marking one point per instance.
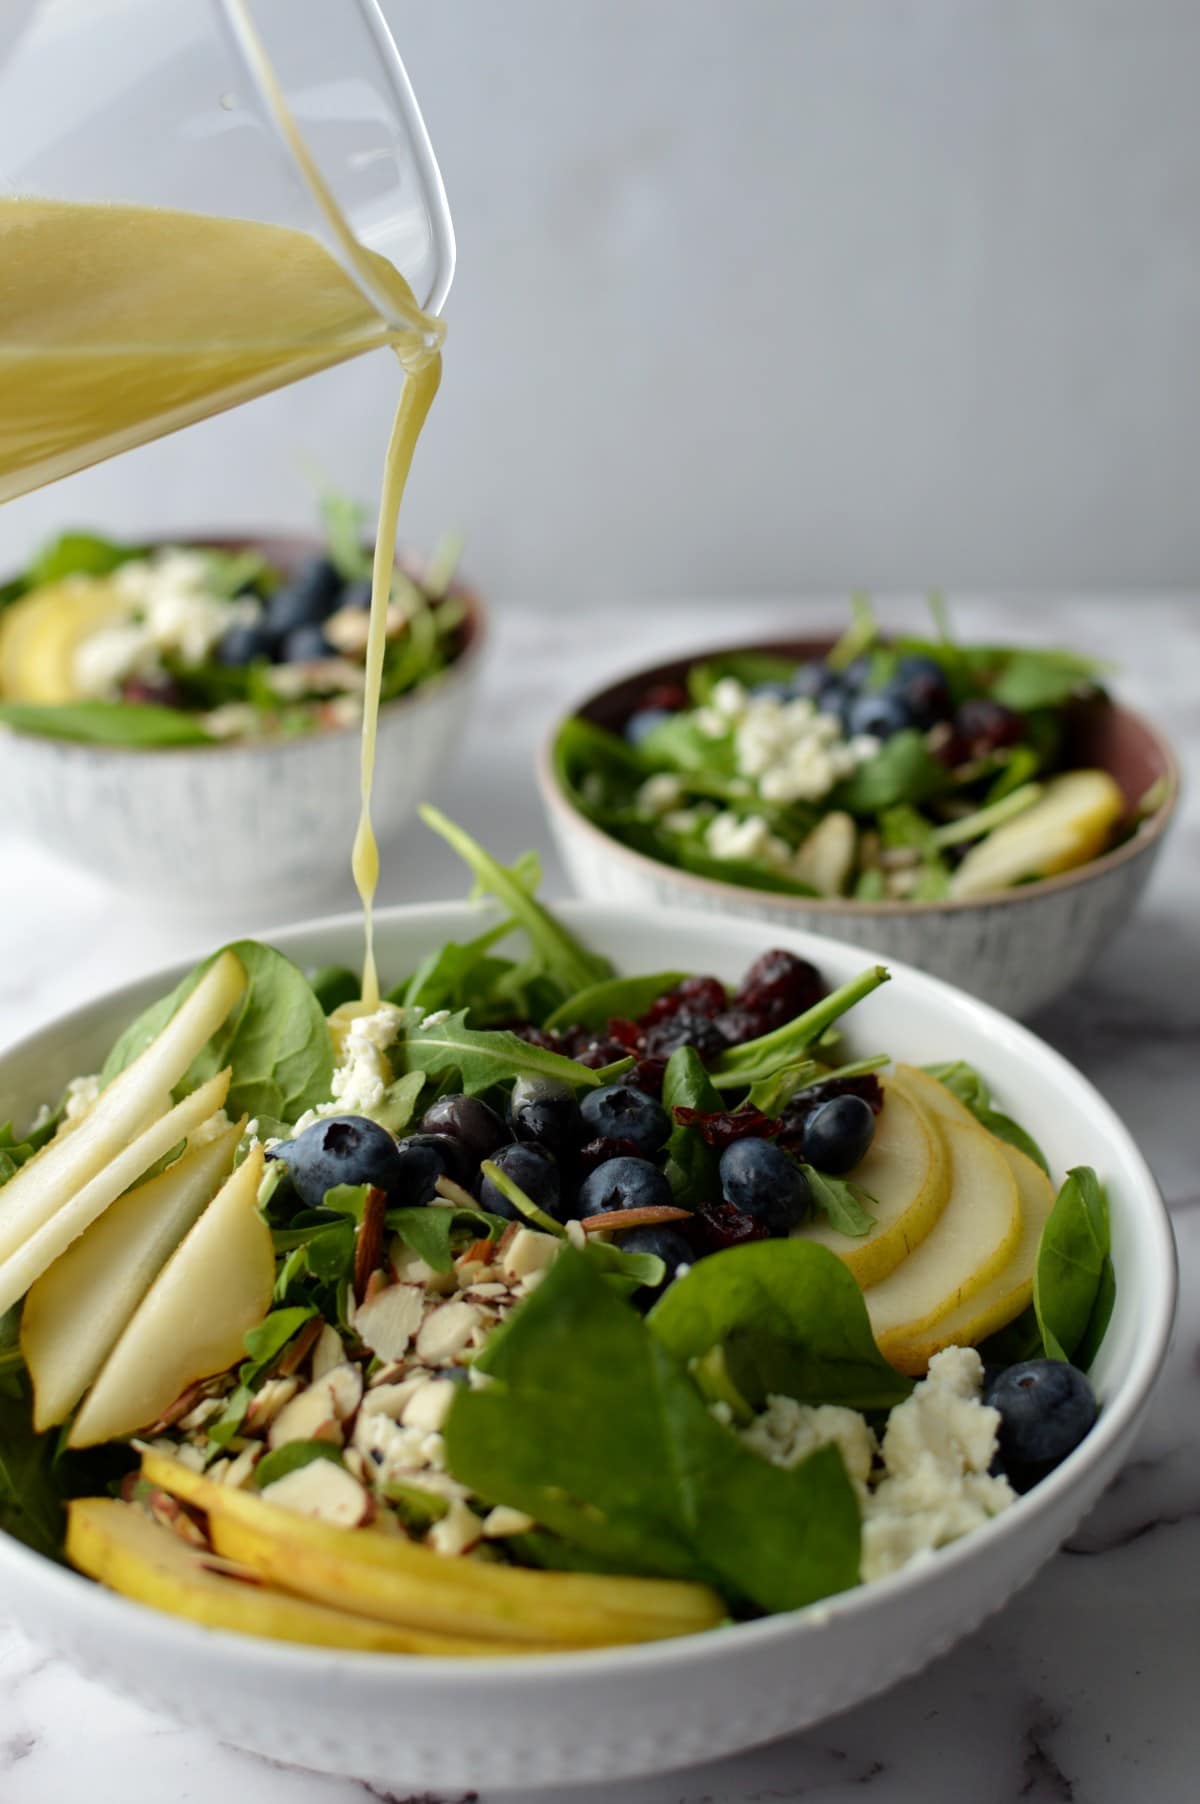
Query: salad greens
point(964, 1082)
point(878, 772)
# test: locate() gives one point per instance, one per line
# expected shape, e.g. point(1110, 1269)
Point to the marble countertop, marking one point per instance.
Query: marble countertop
point(1083, 1690)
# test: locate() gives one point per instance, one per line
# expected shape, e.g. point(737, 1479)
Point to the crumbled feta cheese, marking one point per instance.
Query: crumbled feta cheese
point(172, 613)
point(749, 838)
point(787, 1432)
point(363, 1072)
point(80, 1095)
point(210, 1129)
point(659, 794)
point(232, 720)
point(685, 820)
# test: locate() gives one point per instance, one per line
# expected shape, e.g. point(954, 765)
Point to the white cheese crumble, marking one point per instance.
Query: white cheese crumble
point(172, 613)
point(81, 1093)
point(363, 1072)
point(659, 794)
point(927, 1483)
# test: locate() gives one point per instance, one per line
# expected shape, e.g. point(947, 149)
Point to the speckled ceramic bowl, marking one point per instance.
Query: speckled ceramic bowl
point(266, 825)
point(1017, 949)
point(412, 1724)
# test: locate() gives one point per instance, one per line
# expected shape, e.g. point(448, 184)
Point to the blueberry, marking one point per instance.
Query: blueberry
point(834, 696)
point(357, 594)
point(856, 674)
point(836, 1135)
point(915, 664)
point(308, 598)
point(643, 722)
point(619, 1112)
point(544, 1111)
point(424, 1158)
point(241, 645)
point(468, 1120)
point(536, 1172)
point(922, 682)
point(879, 712)
point(761, 1181)
point(346, 1149)
point(667, 1240)
point(624, 1183)
point(304, 645)
point(807, 681)
point(1046, 1407)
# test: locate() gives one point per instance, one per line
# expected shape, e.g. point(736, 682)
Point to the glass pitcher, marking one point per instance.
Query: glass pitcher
point(200, 201)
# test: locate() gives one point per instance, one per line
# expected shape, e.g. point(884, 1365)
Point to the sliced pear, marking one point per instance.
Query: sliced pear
point(41, 633)
point(1071, 822)
point(933, 1096)
point(396, 1581)
point(118, 1545)
point(74, 1314)
point(1000, 1300)
point(49, 1242)
point(974, 1238)
point(135, 1097)
point(193, 1320)
point(826, 858)
point(908, 1175)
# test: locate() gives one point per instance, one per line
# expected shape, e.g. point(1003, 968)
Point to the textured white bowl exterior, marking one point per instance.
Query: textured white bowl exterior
point(257, 825)
point(409, 1723)
point(1017, 951)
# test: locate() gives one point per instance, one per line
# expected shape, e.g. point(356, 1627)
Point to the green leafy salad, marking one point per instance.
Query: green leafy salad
point(170, 645)
point(531, 1306)
point(906, 769)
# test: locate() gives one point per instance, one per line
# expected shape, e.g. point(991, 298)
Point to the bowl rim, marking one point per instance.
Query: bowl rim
point(1145, 837)
point(159, 1629)
point(292, 546)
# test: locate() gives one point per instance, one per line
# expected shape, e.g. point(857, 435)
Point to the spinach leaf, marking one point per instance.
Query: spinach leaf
point(322, 1255)
point(78, 554)
point(757, 1060)
point(841, 1201)
point(791, 1321)
point(1098, 1318)
point(10, 1339)
point(482, 1057)
point(691, 1163)
point(275, 1039)
point(746, 667)
point(30, 1498)
point(431, 1232)
point(266, 1342)
point(965, 1083)
point(334, 986)
point(902, 770)
point(564, 958)
point(345, 523)
point(440, 980)
point(591, 1427)
point(290, 1458)
point(399, 1102)
point(1070, 1275)
point(1035, 678)
point(628, 996)
point(625, 1272)
point(106, 723)
point(1017, 1341)
point(678, 744)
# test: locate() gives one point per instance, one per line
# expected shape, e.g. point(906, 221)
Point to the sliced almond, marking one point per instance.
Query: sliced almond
point(387, 1322)
point(447, 1332)
point(307, 1417)
point(429, 1405)
point(392, 1399)
point(503, 1521)
point(457, 1532)
point(323, 1490)
point(328, 1351)
point(267, 1402)
point(528, 1252)
point(345, 1388)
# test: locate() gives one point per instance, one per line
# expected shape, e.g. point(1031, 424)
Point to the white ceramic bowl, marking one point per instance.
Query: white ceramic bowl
point(265, 825)
point(408, 1723)
point(1017, 949)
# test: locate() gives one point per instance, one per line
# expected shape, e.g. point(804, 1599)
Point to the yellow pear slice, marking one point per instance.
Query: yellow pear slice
point(973, 1238)
point(75, 1312)
point(134, 1098)
point(192, 1321)
point(1000, 1300)
point(907, 1173)
point(397, 1581)
point(41, 633)
point(934, 1096)
point(118, 1545)
point(50, 1241)
point(1071, 822)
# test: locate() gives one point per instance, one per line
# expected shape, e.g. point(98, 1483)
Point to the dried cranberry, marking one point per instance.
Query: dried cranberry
point(742, 1024)
point(596, 1053)
point(671, 696)
point(947, 745)
point(595, 1152)
point(648, 1075)
point(627, 1033)
point(722, 1225)
point(161, 690)
point(721, 1129)
point(780, 979)
point(545, 1037)
point(987, 726)
point(686, 1029)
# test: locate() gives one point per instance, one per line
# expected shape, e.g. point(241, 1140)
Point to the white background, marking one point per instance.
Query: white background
point(773, 295)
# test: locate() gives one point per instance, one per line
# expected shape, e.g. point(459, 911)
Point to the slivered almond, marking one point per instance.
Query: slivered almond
point(618, 1219)
point(447, 1332)
point(328, 1351)
point(182, 1406)
point(305, 1418)
point(267, 1402)
point(451, 1192)
point(368, 1244)
point(387, 1321)
point(322, 1490)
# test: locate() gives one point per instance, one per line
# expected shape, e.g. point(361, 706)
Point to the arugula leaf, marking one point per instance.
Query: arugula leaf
point(756, 1060)
point(565, 959)
point(791, 1320)
point(1071, 1274)
point(746, 667)
point(677, 744)
point(290, 1458)
point(275, 1039)
point(325, 1255)
point(482, 1057)
point(691, 1167)
point(626, 1272)
point(344, 521)
point(965, 1083)
point(106, 723)
point(1034, 678)
point(399, 1102)
point(591, 1427)
point(628, 996)
point(902, 770)
point(266, 1342)
point(30, 1498)
point(78, 554)
point(430, 1231)
point(440, 980)
point(841, 1201)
